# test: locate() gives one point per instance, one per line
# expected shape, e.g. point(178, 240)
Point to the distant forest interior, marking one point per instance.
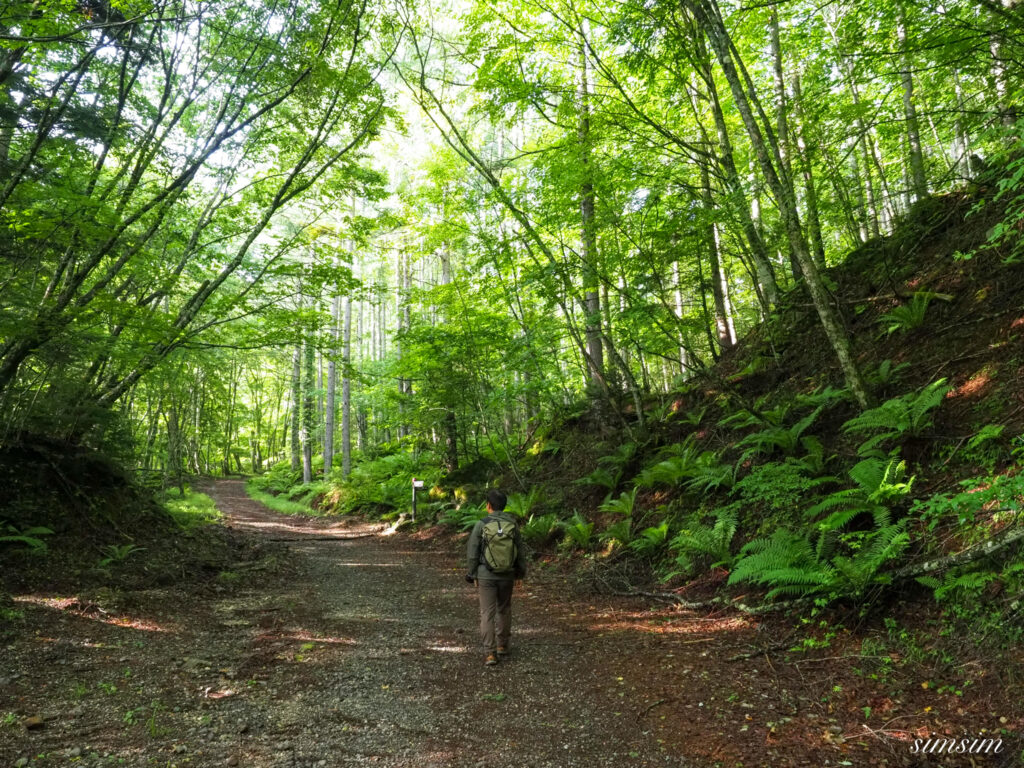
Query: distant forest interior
point(726, 295)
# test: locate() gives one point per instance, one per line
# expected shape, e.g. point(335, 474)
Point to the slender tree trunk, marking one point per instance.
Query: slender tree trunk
point(296, 407)
point(308, 431)
point(588, 233)
point(400, 318)
point(781, 118)
point(684, 363)
point(919, 181)
point(174, 468)
point(711, 243)
point(807, 168)
point(1000, 70)
point(769, 293)
point(346, 392)
point(706, 13)
point(332, 385)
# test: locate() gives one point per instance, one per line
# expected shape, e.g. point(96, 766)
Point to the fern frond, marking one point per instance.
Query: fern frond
point(619, 531)
point(602, 477)
point(622, 505)
point(921, 406)
point(844, 498)
point(741, 420)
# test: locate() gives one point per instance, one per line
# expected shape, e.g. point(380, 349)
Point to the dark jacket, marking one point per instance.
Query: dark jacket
point(475, 565)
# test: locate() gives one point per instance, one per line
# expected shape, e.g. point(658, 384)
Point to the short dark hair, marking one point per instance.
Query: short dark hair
point(496, 499)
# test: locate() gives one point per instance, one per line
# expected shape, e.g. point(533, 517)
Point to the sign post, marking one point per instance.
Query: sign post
point(415, 485)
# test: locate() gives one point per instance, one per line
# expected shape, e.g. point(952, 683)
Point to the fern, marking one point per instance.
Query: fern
point(813, 462)
point(741, 419)
point(28, 536)
point(790, 564)
point(621, 506)
point(672, 470)
point(620, 457)
point(602, 477)
point(117, 553)
point(786, 562)
point(708, 475)
point(540, 529)
point(900, 417)
point(579, 531)
point(694, 416)
point(879, 482)
point(521, 505)
point(988, 432)
point(464, 517)
point(650, 539)
point(886, 373)
point(699, 541)
point(785, 439)
point(621, 532)
point(909, 316)
point(823, 396)
point(855, 573)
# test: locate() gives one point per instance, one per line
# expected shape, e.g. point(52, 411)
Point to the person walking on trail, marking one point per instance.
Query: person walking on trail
point(495, 560)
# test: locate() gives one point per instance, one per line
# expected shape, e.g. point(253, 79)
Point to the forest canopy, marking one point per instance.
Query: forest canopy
point(236, 233)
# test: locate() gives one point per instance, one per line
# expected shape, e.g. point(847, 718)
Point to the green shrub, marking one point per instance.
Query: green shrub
point(791, 564)
point(280, 478)
point(521, 504)
point(464, 517)
point(621, 506)
point(777, 438)
point(778, 487)
point(277, 503)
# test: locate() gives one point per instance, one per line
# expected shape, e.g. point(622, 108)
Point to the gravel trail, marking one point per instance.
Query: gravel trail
point(394, 676)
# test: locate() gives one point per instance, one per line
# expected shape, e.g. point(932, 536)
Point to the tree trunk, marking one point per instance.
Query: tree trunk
point(308, 411)
point(706, 12)
point(781, 119)
point(332, 385)
point(769, 293)
point(346, 392)
point(807, 168)
point(296, 407)
point(400, 316)
point(588, 234)
point(1000, 70)
point(711, 243)
point(919, 181)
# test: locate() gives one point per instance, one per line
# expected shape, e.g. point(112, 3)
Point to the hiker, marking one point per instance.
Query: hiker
point(495, 560)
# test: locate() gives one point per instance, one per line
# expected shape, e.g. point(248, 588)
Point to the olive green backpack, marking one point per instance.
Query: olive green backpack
point(499, 545)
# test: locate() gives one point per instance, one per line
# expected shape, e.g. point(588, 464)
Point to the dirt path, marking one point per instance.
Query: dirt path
point(396, 677)
point(365, 653)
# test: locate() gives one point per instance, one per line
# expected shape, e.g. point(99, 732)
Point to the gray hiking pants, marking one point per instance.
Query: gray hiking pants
point(495, 613)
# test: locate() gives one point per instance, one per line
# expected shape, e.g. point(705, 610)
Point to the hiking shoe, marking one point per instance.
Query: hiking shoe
point(502, 651)
point(491, 660)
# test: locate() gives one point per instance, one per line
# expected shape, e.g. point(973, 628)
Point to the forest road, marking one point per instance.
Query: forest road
point(330, 643)
point(371, 657)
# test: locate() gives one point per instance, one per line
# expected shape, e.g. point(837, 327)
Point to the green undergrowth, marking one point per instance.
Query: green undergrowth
point(279, 503)
point(191, 510)
point(761, 475)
